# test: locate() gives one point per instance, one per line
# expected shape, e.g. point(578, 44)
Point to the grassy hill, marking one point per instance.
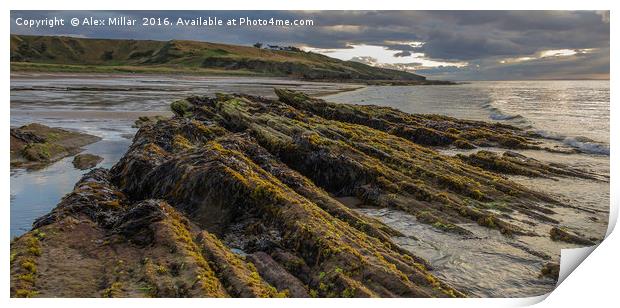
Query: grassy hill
point(59, 53)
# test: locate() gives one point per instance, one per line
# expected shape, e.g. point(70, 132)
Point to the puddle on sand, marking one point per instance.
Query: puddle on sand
point(485, 265)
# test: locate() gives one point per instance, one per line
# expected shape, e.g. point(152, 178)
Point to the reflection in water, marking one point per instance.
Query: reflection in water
point(35, 193)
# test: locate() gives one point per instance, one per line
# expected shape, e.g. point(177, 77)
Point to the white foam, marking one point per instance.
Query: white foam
point(583, 144)
point(498, 115)
point(588, 147)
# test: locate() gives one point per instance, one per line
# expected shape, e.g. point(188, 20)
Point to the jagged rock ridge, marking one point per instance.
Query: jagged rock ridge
point(245, 196)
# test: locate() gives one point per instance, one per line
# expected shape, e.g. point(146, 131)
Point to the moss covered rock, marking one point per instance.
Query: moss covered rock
point(246, 196)
point(35, 145)
point(86, 161)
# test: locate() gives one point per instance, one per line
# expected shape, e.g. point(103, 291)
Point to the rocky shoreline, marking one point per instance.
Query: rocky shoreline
point(34, 146)
point(244, 196)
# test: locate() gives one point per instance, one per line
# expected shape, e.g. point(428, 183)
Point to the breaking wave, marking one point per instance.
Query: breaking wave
point(583, 144)
point(498, 115)
point(580, 143)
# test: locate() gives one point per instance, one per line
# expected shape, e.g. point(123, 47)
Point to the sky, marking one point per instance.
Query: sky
point(454, 45)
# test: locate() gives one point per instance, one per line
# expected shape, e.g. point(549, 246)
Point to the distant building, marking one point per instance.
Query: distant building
point(283, 48)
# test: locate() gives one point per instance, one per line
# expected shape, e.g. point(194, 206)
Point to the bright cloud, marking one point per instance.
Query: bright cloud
point(383, 57)
point(553, 53)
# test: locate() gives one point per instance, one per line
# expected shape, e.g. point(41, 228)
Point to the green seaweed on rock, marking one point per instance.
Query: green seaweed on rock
point(251, 197)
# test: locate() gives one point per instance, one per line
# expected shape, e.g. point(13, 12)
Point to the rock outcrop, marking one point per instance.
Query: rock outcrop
point(244, 196)
point(86, 161)
point(516, 164)
point(551, 270)
point(35, 145)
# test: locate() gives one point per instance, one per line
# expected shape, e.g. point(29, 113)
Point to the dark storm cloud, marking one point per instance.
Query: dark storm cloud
point(593, 65)
point(480, 38)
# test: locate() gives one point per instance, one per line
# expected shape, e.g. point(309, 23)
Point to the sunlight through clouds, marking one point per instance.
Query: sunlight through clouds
point(383, 57)
point(548, 54)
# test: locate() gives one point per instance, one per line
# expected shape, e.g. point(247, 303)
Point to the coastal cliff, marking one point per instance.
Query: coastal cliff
point(71, 54)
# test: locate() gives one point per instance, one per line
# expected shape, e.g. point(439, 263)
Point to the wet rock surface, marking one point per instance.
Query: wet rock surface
point(563, 234)
point(35, 145)
point(86, 161)
point(516, 164)
point(551, 270)
point(146, 120)
point(245, 196)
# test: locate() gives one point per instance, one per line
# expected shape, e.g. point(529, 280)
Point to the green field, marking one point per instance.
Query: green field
point(132, 69)
point(69, 54)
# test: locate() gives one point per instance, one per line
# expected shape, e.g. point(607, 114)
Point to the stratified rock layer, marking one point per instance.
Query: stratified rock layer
point(244, 196)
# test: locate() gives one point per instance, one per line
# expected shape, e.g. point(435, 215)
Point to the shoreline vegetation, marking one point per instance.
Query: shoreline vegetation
point(35, 146)
point(59, 54)
point(245, 196)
